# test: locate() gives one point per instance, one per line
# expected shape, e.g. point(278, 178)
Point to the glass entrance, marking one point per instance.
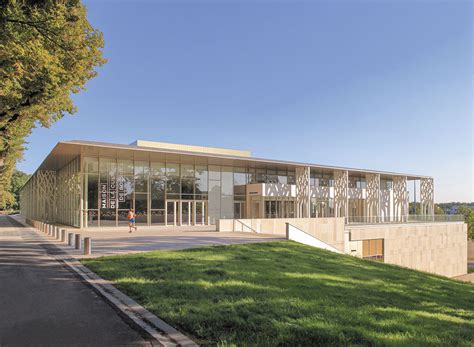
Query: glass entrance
point(172, 212)
point(200, 212)
point(186, 213)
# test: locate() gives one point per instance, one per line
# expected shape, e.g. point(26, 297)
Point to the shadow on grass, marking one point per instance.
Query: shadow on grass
point(283, 293)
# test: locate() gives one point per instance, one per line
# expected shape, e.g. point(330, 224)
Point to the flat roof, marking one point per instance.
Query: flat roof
point(192, 148)
point(65, 151)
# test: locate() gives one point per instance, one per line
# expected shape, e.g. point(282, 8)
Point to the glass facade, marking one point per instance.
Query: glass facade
point(171, 193)
point(168, 193)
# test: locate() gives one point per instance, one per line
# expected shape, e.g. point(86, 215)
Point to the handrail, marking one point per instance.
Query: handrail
point(245, 225)
point(327, 246)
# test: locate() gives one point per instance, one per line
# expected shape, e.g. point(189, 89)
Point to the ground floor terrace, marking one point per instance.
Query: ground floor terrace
point(89, 185)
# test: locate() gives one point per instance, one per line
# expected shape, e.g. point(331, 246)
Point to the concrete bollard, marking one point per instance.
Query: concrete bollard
point(70, 239)
point(49, 229)
point(63, 235)
point(87, 246)
point(77, 243)
point(57, 233)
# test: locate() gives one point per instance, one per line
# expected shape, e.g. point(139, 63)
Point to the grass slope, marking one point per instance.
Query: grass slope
point(284, 293)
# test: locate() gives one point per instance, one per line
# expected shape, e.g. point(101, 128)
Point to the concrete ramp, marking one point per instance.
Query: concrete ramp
point(295, 234)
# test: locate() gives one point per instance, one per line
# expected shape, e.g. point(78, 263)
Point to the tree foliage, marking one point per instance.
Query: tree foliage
point(19, 178)
point(48, 50)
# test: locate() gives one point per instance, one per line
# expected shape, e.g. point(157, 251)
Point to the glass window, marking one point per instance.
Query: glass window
point(141, 208)
point(157, 169)
point(227, 187)
point(291, 177)
point(214, 172)
point(240, 176)
point(92, 218)
point(261, 175)
point(252, 176)
point(125, 167)
point(386, 184)
point(122, 217)
point(91, 164)
point(187, 187)
point(173, 185)
point(92, 191)
point(158, 217)
point(187, 170)
point(214, 200)
point(107, 168)
point(107, 217)
point(125, 187)
point(141, 168)
point(201, 184)
point(141, 183)
point(271, 176)
point(157, 190)
point(282, 177)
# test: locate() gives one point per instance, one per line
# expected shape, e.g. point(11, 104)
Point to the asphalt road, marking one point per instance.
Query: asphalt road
point(43, 304)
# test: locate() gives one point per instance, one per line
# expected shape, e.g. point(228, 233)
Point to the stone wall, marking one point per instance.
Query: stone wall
point(329, 230)
point(439, 248)
point(470, 250)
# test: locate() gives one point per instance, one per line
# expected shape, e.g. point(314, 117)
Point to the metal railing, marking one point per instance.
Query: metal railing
point(438, 218)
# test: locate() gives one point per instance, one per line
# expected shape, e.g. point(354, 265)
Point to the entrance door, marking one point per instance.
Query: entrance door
point(186, 212)
point(172, 212)
point(200, 213)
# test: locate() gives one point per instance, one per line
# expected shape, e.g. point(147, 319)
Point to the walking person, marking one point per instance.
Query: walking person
point(131, 220)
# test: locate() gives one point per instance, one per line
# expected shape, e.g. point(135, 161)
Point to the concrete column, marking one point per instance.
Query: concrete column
point(63, 235)
point(87, 246)
point(77, 242)
point(70, 239)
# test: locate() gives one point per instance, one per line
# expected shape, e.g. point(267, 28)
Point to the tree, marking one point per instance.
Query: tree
point(48, 50)
point(19, 178)
point(470, 225)
point(438, 210)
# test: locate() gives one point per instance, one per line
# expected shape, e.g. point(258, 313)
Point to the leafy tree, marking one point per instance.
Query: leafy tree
point(464, 210)
point(48, 50)
point(438, 210)
point(19, 178)
point(470, 225)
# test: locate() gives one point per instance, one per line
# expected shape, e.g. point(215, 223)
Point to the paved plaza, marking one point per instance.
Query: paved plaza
point(113, 241)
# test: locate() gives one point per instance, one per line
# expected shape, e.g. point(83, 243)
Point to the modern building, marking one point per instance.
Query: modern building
point(91, 184)
point(361, 212)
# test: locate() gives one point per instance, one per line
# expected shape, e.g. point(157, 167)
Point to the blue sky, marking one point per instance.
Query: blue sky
point(383, 85)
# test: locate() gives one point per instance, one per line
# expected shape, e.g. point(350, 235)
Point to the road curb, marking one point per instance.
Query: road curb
point(161, 331)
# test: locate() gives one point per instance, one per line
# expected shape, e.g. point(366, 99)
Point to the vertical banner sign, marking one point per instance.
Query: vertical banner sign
point(121, 189)
point(103, 195)
point(112, 191)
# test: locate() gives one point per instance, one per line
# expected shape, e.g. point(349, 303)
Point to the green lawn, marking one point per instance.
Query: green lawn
point(283, 293)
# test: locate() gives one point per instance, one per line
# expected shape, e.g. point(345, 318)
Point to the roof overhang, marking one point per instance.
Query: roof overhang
point(66, 151)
